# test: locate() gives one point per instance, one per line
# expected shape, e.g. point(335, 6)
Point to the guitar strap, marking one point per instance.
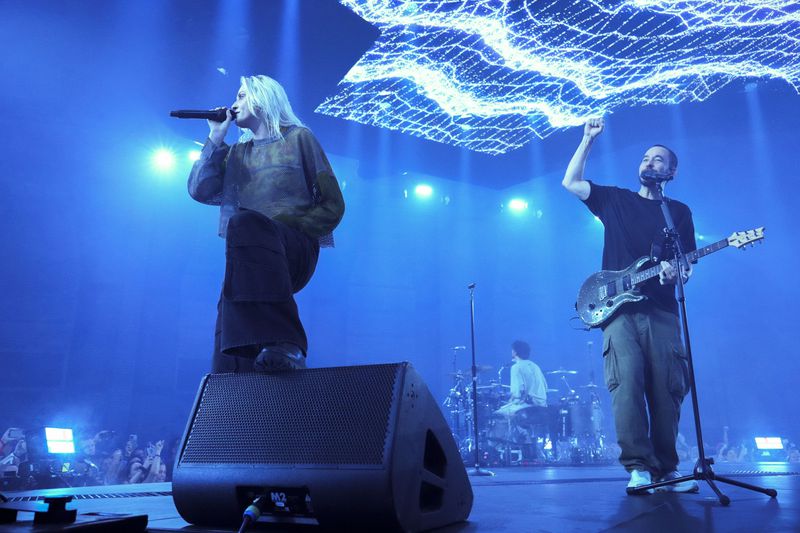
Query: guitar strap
point(655, 252)
point(660, 247)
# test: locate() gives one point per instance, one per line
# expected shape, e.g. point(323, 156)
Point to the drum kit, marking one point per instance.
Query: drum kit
point(568, 431)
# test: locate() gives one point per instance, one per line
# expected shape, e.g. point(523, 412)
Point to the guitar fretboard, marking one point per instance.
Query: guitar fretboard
point(644, 275)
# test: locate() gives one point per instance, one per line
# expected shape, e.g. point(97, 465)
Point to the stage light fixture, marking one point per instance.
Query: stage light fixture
point(770, 448)
point(194, 155)
point(423, 190)
point(59, 440)
point(163, 160)
point(769, 443)
point(517, 205)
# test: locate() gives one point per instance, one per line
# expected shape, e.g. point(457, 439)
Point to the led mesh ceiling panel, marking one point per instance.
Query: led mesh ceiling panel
point(488, 75)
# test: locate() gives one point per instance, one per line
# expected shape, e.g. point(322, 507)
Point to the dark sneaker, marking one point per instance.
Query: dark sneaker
point(639, 478)
point(690, 485)
point(277, 357)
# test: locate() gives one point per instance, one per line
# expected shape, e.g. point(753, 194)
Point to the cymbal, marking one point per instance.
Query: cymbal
point(561, 371)
point(464, 373)
point(589, 386)
point(552, 390)
point(493, 386)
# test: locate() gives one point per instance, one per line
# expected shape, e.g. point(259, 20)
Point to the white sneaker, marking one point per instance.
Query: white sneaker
point(638, 479)
point(690, 485)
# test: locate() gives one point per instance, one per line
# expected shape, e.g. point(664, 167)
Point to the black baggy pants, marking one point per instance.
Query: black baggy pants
point(266, 263)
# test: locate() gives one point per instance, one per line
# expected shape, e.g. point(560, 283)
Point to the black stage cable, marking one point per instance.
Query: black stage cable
point(252, 513)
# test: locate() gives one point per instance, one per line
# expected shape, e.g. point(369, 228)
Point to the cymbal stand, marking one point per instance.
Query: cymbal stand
point(456, 349)
point(570, 390)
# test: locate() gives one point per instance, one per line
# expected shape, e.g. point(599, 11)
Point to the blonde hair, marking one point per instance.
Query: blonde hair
point(267, 100)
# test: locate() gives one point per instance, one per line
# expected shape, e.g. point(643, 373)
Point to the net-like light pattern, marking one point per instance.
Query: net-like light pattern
point(489, 74)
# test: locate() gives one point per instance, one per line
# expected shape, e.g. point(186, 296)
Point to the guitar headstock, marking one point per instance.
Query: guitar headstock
point(742, 239)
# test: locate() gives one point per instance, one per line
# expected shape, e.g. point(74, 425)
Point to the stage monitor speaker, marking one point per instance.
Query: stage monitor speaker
point(359, 447)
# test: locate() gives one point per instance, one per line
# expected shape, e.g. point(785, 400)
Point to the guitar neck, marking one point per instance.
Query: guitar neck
point(644, 275)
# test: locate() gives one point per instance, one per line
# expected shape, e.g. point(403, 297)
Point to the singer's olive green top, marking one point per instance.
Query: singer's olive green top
point(287, 179)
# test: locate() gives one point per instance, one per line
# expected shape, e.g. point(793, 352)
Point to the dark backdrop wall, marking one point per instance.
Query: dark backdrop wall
point(111, 272)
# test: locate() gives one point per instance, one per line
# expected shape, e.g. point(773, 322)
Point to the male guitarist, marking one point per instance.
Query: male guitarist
point(644, 362)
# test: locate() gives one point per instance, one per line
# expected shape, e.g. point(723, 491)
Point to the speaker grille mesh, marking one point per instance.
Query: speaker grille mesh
point(332, 416)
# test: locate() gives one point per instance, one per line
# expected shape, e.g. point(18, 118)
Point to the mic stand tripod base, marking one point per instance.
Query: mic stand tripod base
point(705, 473)
point(478, 471)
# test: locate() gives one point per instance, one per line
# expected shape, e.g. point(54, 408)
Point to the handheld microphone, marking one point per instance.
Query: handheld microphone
point(217, 115)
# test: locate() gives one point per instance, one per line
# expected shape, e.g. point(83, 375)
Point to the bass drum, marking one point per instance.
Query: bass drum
point(488, 403)
point(499, 433)
point(580, 418)
point(587, 418)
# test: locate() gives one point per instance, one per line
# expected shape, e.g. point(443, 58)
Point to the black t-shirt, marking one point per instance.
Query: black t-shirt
point(632, 226)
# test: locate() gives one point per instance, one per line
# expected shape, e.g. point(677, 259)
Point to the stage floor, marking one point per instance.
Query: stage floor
point(528, 499)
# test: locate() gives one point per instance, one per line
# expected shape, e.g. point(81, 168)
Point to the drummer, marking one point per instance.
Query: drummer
point(528, 385)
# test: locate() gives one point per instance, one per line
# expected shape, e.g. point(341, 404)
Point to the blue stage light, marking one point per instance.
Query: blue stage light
point(194, 155)
point(423, 190)
point(517, 205)
point(163, 160)
point(59, 440)
point(490, 75)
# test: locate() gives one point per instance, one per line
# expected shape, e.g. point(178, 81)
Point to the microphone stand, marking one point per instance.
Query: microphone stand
point(589, 346)
point(702, 469)
point(477, 471)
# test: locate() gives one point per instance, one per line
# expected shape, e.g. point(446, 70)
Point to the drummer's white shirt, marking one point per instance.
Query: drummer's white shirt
point(527, 380)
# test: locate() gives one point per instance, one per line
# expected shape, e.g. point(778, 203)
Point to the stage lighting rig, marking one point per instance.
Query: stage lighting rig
point(489, 75)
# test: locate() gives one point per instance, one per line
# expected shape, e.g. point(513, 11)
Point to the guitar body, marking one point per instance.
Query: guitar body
point(605, 291)
point(602, 294)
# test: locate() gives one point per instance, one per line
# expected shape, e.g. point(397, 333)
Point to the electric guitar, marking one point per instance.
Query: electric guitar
point(604, 292)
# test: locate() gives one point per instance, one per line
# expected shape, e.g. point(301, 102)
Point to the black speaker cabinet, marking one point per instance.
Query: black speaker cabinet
point(359, 447)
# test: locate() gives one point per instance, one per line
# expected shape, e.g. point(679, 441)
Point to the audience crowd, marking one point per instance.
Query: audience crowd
point(737, 451)
point(106, 459)
point(102, 459)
